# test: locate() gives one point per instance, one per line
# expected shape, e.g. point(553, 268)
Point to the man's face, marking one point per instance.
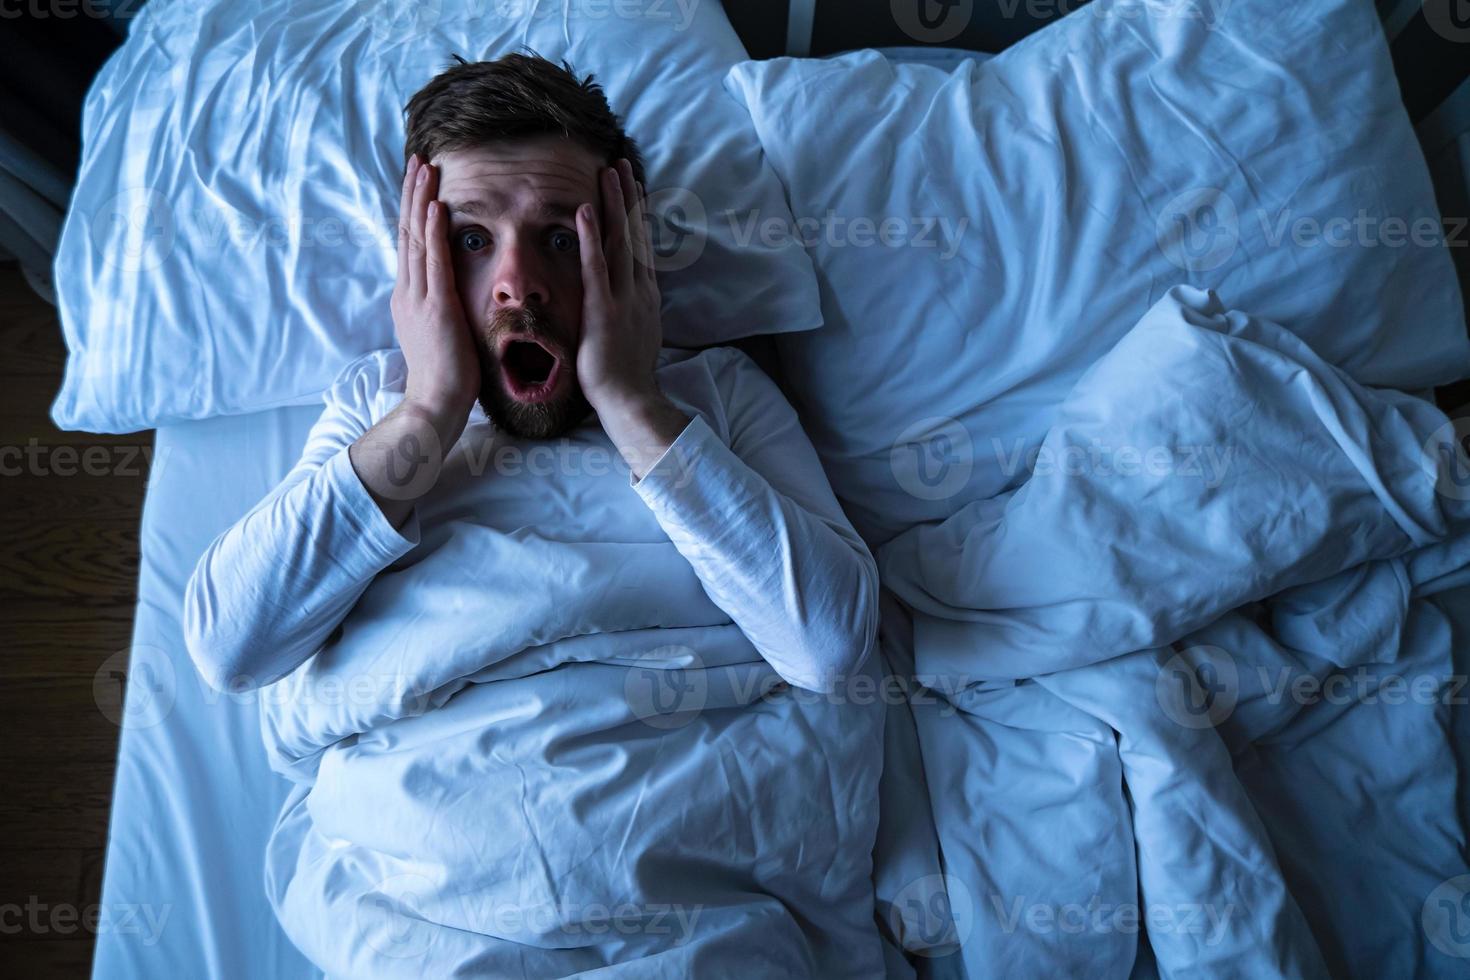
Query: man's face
point(513, 234)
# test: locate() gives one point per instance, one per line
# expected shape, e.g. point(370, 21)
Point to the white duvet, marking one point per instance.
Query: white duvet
point(1192, 721)
point(539, 748)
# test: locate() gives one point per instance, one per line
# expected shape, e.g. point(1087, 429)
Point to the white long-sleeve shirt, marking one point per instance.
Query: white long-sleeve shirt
point(740, 493)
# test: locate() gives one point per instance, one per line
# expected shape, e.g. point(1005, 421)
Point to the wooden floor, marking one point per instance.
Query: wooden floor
point(68, 569)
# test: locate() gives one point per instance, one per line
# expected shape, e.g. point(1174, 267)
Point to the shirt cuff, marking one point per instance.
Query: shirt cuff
point(381, 542)
point(674, 467)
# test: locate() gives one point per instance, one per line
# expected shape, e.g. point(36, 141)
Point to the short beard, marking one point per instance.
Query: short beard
point(534, 420)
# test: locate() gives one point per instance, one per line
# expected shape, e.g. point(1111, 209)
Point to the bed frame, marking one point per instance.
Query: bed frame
point(1429, 38)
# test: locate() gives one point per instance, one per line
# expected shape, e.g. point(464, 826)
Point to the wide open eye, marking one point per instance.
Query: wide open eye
point(472, 240)
point(563, 241)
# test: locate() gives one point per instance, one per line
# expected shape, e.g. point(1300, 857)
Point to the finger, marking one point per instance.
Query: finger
point(439, 273)
point(643, 242)
point(637, 232)
point(628, 186)
point(422, 195)
point(595, 289)
point(615, 229)
point(405, 204)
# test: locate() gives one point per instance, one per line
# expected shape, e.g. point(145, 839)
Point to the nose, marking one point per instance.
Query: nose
point(520, 277)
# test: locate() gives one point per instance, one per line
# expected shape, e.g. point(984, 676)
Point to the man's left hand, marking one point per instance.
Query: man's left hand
point(621, 332)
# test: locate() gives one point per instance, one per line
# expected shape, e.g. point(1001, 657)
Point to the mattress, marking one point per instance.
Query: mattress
point(194, 800)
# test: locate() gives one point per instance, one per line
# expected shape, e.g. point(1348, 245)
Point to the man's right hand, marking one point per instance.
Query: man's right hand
point(399, 459)
point(443, 370)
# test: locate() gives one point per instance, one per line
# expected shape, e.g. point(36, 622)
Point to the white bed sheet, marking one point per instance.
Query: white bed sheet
point(194, 801)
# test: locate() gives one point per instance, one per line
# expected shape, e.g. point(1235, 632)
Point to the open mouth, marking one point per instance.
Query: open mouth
point(530, 369)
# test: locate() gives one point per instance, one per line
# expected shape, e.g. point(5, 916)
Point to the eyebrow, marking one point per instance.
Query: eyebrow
point(477, 208)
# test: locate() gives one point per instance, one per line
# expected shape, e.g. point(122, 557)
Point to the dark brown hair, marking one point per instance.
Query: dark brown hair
point(472, 103)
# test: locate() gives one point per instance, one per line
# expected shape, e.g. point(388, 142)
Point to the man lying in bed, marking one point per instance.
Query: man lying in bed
point(534, 791)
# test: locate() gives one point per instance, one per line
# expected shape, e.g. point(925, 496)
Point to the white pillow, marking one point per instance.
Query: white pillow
point(1039, 203)
point(230, 242)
